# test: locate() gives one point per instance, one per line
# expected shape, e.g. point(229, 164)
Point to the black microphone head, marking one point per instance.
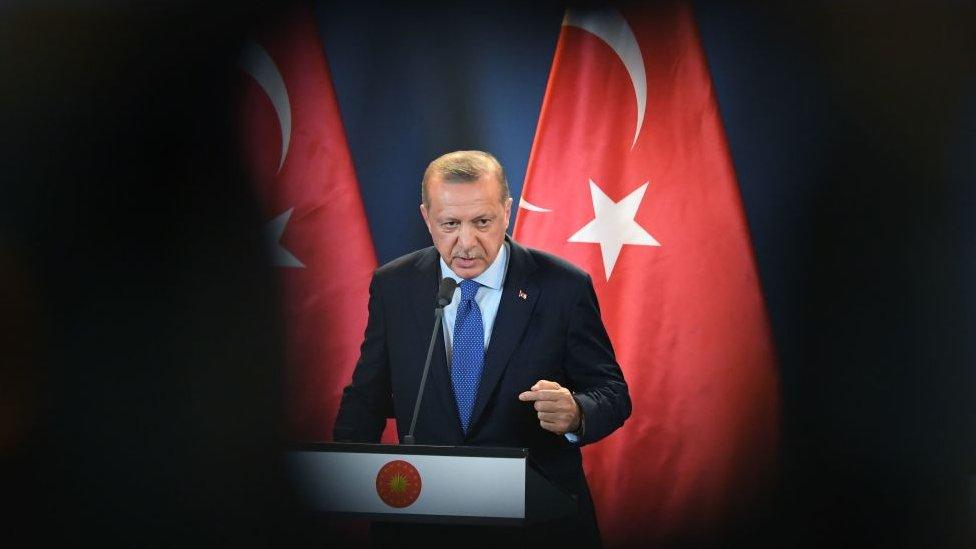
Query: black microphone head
point(446, 292)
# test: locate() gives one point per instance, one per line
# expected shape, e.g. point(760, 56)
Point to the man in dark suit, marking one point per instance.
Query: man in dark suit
point(525, 360)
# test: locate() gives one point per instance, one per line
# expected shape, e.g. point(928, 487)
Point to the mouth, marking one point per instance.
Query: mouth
point(465, 262)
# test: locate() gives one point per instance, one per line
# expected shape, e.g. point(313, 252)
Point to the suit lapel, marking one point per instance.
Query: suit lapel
point(519, 296)
point(422, 294)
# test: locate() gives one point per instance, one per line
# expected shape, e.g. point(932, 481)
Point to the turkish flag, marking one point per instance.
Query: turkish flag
point(296, 146)
point(630, 178)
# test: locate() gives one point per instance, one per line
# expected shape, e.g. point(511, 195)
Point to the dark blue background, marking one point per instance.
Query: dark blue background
point(415, 82)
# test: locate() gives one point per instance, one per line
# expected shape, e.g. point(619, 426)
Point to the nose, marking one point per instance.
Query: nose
point(466, 236)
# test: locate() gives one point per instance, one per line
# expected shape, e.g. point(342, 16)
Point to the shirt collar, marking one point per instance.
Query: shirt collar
point(494, 275)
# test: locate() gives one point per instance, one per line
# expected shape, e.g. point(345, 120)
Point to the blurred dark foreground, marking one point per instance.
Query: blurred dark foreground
point(140, 334)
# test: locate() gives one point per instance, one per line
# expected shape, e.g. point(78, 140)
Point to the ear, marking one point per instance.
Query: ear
point(423, 213)
point(508, 210)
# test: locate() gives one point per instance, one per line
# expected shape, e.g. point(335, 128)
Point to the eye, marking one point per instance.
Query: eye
point(448, 225)
point(482, 222)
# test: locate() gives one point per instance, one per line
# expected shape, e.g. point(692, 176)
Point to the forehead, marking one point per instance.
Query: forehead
point(482, 194)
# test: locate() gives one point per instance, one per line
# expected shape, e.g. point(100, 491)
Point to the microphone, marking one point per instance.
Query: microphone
point(445, 294)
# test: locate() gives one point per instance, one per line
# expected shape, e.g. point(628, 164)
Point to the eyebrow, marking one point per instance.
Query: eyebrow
point(455, 218)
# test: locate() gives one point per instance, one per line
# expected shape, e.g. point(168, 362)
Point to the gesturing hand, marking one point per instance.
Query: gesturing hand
point(555, 406)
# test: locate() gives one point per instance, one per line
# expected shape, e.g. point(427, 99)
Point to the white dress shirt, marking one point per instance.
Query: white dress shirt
point(488, 298)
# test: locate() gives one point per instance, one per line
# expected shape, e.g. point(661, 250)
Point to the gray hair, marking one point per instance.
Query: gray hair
point(464, 167)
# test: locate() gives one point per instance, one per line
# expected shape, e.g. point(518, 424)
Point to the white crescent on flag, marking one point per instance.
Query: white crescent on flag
point(609, 25)
point(256, 62)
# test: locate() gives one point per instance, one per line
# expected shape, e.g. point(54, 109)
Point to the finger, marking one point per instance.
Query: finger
point(550, 426)
point(553, 417)
point(544, 406)
point(557, 427)
point(538, 395)
point(546, 394)
point(543, 384)
point(552, 406)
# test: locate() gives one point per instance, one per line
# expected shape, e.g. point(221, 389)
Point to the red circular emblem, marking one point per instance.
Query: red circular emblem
point(398, 483)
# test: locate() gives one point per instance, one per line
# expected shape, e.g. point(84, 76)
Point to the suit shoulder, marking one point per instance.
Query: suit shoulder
point(407, 262)
point(556, 266)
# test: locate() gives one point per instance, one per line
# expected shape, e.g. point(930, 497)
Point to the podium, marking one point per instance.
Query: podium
point(432, 484)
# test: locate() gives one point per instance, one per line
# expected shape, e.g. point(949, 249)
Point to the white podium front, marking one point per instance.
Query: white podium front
point(459, 484)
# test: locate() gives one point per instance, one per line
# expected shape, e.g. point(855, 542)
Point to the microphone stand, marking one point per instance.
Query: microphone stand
point(438, 319)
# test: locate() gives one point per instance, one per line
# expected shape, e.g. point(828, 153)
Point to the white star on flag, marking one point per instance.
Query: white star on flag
point(614, 225)
point(280, 257)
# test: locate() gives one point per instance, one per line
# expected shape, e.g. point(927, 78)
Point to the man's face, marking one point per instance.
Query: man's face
point(467, 222)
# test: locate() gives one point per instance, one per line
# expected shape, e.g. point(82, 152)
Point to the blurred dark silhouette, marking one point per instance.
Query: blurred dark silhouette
point(142, 345)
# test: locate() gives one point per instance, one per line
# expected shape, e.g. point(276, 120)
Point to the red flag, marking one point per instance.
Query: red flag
point(316, 226)
point(630, 178)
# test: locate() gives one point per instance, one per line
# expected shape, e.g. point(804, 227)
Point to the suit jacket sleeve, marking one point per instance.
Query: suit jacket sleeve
point(597, 382)
point(367, 401)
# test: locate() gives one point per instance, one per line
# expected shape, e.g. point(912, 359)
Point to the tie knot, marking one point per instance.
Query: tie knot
point(469, 288)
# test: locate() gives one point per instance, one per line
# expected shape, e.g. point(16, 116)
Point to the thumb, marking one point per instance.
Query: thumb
point(544, 384)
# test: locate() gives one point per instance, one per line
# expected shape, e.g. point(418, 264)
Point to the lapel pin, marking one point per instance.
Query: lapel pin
point(522, 295)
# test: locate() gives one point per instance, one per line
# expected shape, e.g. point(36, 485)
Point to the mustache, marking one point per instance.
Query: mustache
point(462, 255)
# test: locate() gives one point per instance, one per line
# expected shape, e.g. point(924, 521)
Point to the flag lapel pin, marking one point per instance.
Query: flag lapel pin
point(522, 295)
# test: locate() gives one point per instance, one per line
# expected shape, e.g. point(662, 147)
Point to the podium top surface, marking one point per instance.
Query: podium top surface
point(412, 449)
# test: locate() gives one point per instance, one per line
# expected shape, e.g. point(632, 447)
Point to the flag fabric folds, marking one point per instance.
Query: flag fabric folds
point(316, 226)
point(630, 178)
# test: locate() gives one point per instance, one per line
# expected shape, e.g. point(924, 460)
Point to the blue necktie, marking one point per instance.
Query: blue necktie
point(468, 355)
